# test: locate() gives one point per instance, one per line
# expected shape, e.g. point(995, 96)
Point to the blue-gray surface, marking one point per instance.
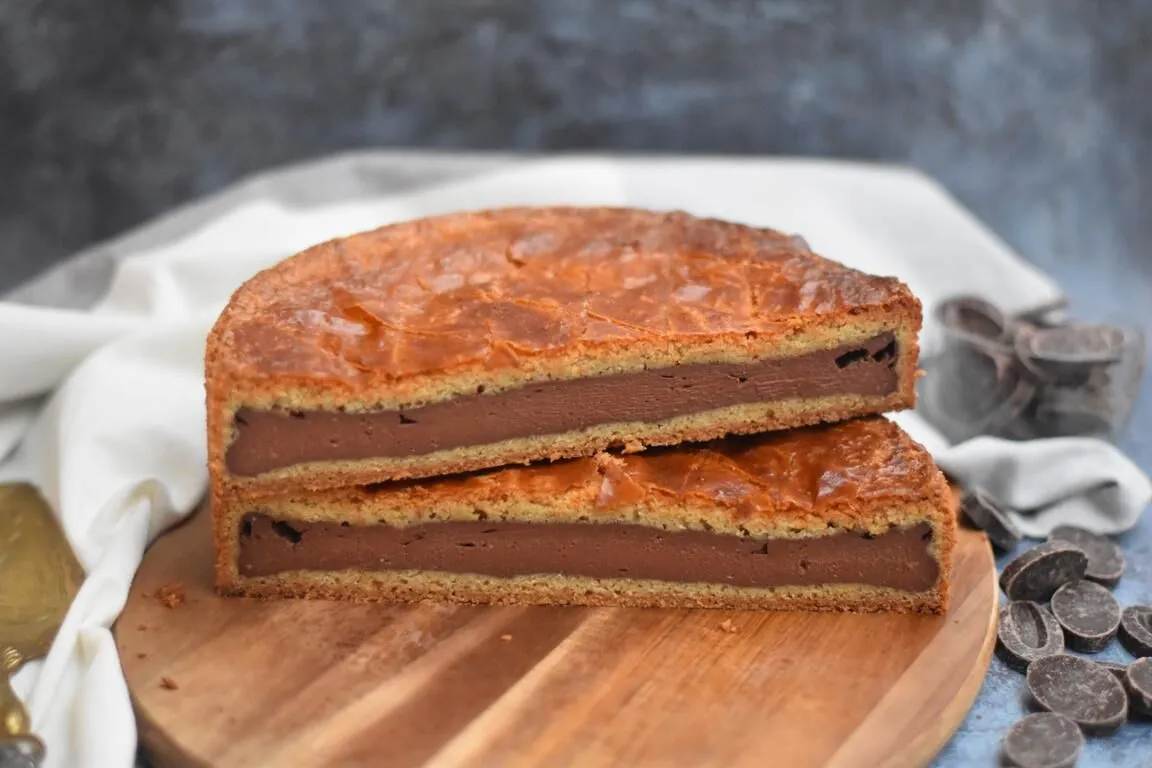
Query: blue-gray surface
point(1097, 289)
point(1035, 113)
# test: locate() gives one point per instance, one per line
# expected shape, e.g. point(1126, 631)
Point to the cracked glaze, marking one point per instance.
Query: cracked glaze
point(801, 471)
point(487, 289)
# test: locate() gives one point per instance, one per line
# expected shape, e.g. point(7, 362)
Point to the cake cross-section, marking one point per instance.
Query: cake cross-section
point(476, 340)
point(849, 516)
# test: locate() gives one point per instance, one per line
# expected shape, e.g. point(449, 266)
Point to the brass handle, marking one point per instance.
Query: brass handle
point(18, 747)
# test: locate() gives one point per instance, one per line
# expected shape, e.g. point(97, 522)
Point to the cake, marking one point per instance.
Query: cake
point(847, 516)
point(478, 340)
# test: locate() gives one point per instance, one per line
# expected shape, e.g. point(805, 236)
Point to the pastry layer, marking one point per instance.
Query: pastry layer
point(469, 306)
point(738, 522)
point(409, 587)
point(266, 440)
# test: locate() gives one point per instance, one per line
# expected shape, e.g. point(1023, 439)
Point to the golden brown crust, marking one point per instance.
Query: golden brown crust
point(865, 474)
point(486, 290)
point(432, 309)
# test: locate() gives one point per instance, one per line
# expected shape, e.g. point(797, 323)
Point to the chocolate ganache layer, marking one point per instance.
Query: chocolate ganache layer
point(898, 558)
point(267, 440)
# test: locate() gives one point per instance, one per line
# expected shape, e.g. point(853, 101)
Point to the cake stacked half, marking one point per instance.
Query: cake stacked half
point(573, 406)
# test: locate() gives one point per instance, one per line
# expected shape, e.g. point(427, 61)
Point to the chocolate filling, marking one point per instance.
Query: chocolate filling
point(272, 439)
point(898, 558)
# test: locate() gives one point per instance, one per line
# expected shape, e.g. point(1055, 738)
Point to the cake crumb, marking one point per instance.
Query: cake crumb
point(141, 627)
point(505, 638)
point(729, 627)
point(171, 595)
point(141, 655)
point(169, 684)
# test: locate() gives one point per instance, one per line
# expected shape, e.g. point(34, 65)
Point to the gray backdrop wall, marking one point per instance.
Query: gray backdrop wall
point(1036, 113)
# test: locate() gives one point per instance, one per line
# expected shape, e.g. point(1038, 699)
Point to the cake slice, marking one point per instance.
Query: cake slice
point(478, 340)
point(850, 516)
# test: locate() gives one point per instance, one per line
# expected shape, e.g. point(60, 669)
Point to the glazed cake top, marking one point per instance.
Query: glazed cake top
point(852, 468)
point(487, 289)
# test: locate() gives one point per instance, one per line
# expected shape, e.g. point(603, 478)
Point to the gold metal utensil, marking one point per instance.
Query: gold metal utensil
point(39, 577)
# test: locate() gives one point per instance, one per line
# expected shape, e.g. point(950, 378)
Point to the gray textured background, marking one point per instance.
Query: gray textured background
point(1037, 114)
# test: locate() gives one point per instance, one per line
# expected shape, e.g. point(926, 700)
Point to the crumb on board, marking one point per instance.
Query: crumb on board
point(141, 627)
point(141, 655)
point(505, 638)
point(169, 684)
point(171, 595)
point(729, 627)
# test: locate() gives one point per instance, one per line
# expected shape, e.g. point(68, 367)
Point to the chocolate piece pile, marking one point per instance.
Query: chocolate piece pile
point(1059, 598)
point(1025, 377)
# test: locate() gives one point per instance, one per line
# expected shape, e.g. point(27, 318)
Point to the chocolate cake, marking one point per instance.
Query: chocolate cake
point(478, 340)
point(850, 516)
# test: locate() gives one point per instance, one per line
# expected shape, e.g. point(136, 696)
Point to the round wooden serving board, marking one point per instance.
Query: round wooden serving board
point(236, 682)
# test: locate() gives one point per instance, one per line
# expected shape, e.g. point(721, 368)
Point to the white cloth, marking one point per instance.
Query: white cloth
point(118, 447)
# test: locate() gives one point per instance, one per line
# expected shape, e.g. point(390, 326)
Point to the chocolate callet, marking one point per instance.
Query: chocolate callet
point(1105, 560)
point(1081, 690)
point(984, 512)
point(1027, 632)
point(1043, 740)
point(1037, 573)
point(898, 558)
point(1138, 682)
point(1117, 669)
point(272, 439)
point(1136, 630)
point(1088, 613)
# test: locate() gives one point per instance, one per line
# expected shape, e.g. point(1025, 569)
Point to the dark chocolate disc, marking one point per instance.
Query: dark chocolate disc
point(1026, 631)
point(1115, 667)
point(1079, 689)
point(1106, 562)
point(1037, 573)
point(1138, 681)
point(1136, 629)
point(1043, 740)
point(985, 513)
point(1088, 406)
point(1075, 344)
point(975, 322)
point(1088, 613)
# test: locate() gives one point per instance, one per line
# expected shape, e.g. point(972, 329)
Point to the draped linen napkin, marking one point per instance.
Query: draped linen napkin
point(102, 403)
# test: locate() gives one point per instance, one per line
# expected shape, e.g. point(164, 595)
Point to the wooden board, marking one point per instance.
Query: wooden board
point(296, 683)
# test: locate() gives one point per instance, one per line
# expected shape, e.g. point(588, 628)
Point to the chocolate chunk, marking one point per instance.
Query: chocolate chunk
point(1089, 406)
point(1138, 681)
point(975, 322)
point(1038, 572)
point(985, 513)
point(1136, 629)
point(1090, 399)
point(1055, 422)
point(1080, 689)
point(1047, 315)
point(1115, 667)
point(1055, 350)
point(1043, 740)
point(1026, 632)
point(1088, 613)
point(974, 391)
point(1105, 560)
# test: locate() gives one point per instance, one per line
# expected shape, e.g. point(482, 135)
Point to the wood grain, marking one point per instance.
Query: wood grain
point(296, 683)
